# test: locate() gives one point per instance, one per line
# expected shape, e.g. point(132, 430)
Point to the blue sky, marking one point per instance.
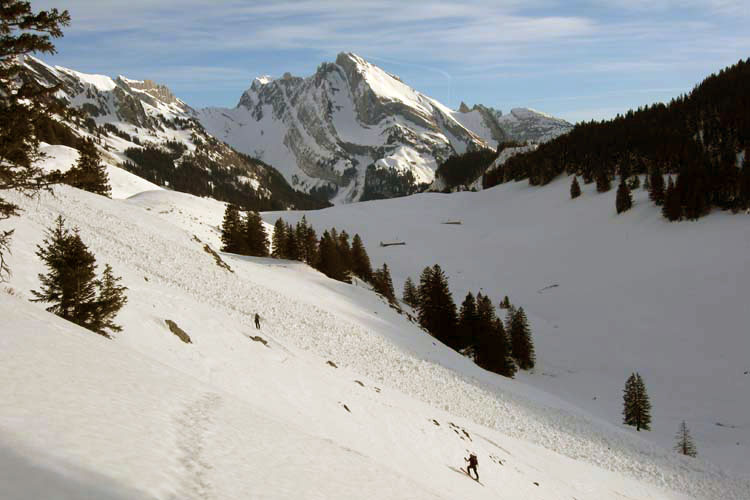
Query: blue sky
point(575, 59)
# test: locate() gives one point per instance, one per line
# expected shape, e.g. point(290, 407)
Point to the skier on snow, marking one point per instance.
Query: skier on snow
point(473, 462)
point(257, 321)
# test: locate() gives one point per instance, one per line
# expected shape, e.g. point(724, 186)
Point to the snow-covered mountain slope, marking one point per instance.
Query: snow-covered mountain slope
point(521, 125)
point(607, 295)
point(351, 128)
point(125, 115)
point(148, 416)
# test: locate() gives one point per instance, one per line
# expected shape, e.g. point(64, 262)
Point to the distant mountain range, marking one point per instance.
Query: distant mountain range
point(354, 132)
point(350, 132)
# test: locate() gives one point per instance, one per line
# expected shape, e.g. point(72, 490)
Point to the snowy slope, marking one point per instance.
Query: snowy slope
point(147, 416)
point(628, 293)
point(327, 129)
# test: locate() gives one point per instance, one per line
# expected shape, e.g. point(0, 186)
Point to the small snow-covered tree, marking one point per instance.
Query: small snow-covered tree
point(685, 444)
point(89, 173)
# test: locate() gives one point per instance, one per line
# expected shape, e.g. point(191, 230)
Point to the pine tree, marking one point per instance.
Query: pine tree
point(232, 238)
point(492, 350)
point(685, 444)
point(278, 240)
point(361, 266)
point(89, 173)
point(292, 249)
point(468, 322)
point(505, 304)
point(383, 284)
point(623, 200)
point(25, 106)
point(603, 183)
point(522, 346)
point(71, 285)
point(672, 208)
point(345, 254)
point(329, 261)
point(256, 238)
point(307, 241)
point(657, 186)
point(410, 296)
point(437, 311)
point(575, 188)
point(636, 407)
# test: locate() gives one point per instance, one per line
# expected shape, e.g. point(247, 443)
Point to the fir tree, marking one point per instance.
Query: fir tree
point(71, 285)
point(345, 254)
point(685, 444)
point(410, 296)
point(361, 266)
point(437, 311)
point(292, 249)
point(624, 200)
point(232, 238)
point(468, 322)
point(603, 183)
point(383, 284)
point(522, 346)
point(278, 240)
point(307, 241)
point(636, 407)
point(492, 350)
point(89, 173)
point(575, 188)
point(329, 261)
point(256, 238)
point(672, 208)
point(657, 186)
point(25, 106)
point(505, 303)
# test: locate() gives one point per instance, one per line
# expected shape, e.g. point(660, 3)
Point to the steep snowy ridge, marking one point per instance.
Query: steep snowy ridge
point(344, 129)
point(228, 416)
point(126, 114)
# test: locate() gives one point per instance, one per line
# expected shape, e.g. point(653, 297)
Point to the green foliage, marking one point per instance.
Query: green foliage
point(71, 285)
point(464, 169)
point(382, 283)
point(685, 444)
point(437, 311)
point(623, 200)
point(522, 346)
point(410, 295)
point(361, 266)
point(636, 405)
point(26, 107)
point(231, 230)
point(89, 173)
point(696, 136)
point(255, 236)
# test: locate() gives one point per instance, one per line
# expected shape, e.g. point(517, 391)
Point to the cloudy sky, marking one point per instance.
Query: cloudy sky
point(575, 59)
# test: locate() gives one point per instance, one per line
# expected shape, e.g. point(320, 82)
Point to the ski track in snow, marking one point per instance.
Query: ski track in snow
point(113, 239)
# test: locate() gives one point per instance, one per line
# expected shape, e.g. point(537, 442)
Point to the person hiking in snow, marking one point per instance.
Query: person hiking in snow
point(257, 321)
point(473, 462)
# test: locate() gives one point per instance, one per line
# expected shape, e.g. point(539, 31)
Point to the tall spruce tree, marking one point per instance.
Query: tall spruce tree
point(522, 346)
point(329, 260)
point(623, 200)
point(685, 444)
point(307, 241)
point(25, 106)
point(89, 173)
point(71, 285)
point(656, 182)
point(492, 351)
point(468, 322)
point(437, 311)
point(383, 284)
point(575, 188)
point(278, 240)
point(292, 249)
point(410, 295)
point(636, 405)
point(232, 237)
point(361, 266)
point(345, 254)
point(256, 238)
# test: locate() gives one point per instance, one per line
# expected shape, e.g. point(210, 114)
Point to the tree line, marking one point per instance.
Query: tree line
point(701, 140)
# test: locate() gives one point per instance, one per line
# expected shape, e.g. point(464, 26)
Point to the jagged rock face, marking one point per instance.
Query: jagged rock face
point(528, 125)
point(131, 114)
point(341, 127)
